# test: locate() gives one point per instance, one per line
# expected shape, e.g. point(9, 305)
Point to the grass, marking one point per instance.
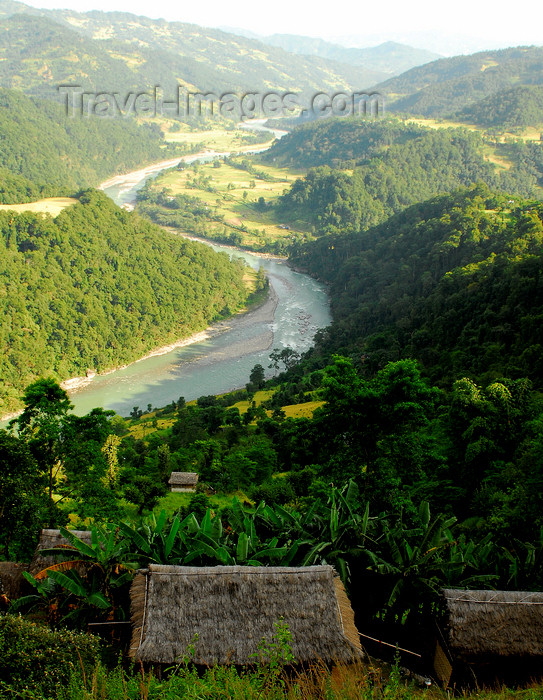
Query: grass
point(530, 133)
point(232, 193)
point(362, 681)
point(172, 502)
point(258, 398)
point(145, 425)
point(214, 139)
point(50, 205)
point(442, 124)
point(302, 410)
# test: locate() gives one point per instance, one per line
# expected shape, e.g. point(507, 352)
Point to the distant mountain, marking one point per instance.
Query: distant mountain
point(450, 85)
point(438, 41)
point(121, 51)
point(11, 7)
point(389, 57)
point(240, 31)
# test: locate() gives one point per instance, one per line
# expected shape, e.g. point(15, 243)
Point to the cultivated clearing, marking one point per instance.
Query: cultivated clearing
point(51, 205)
point(240, 198)
point(216, 139)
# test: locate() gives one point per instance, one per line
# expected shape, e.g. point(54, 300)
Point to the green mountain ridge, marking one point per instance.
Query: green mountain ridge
point(450, 85)
point(515, 108)
point(120, 51)
point(42, 144)
point(394, 164)
point(454, 282)
point(97, 287)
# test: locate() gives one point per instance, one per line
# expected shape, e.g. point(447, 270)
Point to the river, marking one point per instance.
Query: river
point(297, 307)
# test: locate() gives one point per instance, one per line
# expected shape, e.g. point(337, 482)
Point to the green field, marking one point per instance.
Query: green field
point(233, 195)
point(214, 139)
point(530, 133)
point(51, 205)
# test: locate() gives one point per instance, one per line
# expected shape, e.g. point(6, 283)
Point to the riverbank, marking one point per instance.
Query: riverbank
point(238, 248)
point(144, 173)
point(262, 311)
point(224, 358)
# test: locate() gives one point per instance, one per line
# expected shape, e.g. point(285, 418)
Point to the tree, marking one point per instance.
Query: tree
point(257, 376)
point(144, 491)
point(23, 503)
point(287, 356)
point(40, 425)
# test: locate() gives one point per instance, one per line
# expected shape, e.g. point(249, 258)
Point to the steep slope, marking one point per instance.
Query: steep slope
point(124, 52)
point(98, 287)
point(381, 167)
point(450, 85)
point(512, 109)
point(455, 282)
point(49, 148)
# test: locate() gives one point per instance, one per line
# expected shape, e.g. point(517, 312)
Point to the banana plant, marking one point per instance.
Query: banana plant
point(155, 541)
point(417, 562)
point(332, 533)
point(93, 575)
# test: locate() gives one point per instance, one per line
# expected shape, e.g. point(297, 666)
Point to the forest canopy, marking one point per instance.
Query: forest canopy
point(97, 287)
point(454, 282)
point(53, 150)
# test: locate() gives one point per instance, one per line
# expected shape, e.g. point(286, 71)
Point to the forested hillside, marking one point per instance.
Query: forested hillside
point(16, 188)
point(454, 282)
point(515, 108)
point(98, 287)
point(383, 166)
point(53, 150)
point(447, 86)
point(115, 51)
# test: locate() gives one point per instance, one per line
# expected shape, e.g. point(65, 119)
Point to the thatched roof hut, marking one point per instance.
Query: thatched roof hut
point(183, 481)
point(232, 608)
point(51, 539)
point(490, 627)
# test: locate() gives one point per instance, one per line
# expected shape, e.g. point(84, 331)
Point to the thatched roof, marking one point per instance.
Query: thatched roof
point(232, 608)
point(494, 623)
point(50, 539)
point(186, 479)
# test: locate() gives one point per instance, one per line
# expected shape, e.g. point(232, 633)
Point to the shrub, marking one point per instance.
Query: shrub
point(36, 659)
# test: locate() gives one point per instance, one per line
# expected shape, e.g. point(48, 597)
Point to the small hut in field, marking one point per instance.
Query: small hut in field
point(183, 481)
point(490, 636)
point(232, 608)
point(52, 539)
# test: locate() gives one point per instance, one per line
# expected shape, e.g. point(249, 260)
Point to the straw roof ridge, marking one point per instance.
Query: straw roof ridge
point(50, 539)
point(183, 478)
point(232, 608)
point(490, 623)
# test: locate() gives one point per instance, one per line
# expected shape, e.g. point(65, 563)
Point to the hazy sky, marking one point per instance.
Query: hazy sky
point(484, 21)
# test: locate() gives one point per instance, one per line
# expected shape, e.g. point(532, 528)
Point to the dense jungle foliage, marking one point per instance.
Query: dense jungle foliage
point(403, 486)
point(454, 281)
point(515, 109)
point(363, 172)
